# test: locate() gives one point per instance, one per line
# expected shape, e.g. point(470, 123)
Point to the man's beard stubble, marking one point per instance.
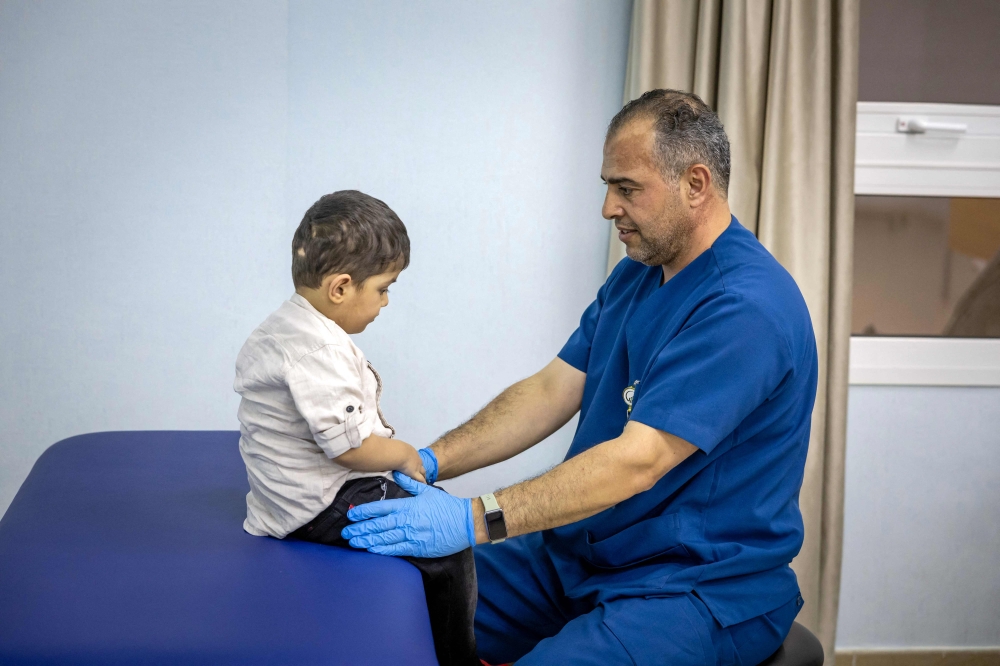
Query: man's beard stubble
point(662, 247)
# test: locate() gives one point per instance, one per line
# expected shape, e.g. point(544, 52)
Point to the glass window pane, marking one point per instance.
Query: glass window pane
point(926, 266)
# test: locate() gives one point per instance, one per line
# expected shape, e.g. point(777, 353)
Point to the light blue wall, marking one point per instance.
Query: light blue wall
point(156, 157)
point(483, 129)
point(142, 213)
point(922, 518)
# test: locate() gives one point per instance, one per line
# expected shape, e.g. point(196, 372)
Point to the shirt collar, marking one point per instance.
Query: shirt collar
point(301, 301)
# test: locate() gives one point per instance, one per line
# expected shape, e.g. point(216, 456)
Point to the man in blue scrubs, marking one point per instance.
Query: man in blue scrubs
point(666, 534)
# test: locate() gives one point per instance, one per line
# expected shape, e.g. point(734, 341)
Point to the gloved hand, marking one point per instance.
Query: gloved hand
point(430, 461)
point(432, 523)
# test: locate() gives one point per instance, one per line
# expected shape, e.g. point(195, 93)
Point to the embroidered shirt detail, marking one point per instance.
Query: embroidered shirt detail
point(627, 395)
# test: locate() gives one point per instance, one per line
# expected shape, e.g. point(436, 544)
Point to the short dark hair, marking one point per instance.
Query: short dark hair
point(347, 232)
point(688, 132)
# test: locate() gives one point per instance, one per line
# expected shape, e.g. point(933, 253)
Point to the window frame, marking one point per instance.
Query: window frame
point(939, 164)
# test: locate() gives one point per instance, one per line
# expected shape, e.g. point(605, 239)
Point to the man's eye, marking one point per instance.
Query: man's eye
point(626, 191)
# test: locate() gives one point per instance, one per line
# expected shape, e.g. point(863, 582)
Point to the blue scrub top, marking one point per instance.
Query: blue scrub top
point(723, 356)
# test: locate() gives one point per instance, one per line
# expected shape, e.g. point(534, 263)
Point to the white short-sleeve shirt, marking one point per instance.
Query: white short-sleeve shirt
point(309, 395)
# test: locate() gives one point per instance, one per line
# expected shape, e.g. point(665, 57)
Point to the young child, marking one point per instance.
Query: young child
point(313, 436)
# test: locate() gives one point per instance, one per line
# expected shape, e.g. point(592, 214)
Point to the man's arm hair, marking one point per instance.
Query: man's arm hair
point(517, 419)
point(589, 483)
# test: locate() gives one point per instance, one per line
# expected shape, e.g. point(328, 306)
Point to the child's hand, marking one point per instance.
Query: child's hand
point(413, 466)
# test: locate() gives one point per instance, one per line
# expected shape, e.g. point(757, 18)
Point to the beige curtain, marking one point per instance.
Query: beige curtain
point(782, 75)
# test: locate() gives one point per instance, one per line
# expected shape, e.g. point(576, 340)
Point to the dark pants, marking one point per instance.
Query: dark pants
point(449, 582)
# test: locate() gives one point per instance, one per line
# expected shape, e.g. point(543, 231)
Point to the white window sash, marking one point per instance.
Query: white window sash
point(934, 163)
point(890, 361)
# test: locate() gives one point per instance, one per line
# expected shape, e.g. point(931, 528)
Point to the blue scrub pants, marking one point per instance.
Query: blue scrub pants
point(524, 616)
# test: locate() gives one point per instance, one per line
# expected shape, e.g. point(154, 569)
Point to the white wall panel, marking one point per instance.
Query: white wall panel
point(921, 565)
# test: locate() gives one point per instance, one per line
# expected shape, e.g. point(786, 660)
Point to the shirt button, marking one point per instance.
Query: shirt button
point(350, 408)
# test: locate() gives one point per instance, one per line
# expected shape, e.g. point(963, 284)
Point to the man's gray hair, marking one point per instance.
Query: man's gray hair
point(687, 133)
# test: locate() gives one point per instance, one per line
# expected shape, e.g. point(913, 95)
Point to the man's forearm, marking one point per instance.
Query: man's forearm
point(517, 419)
point(589, 483)
point(509, 424)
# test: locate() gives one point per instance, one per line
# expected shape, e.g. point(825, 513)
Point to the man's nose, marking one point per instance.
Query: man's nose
point(611, 210)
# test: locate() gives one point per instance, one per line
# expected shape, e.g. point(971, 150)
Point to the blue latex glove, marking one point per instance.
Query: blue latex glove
point(430, 461)
point(432, 523)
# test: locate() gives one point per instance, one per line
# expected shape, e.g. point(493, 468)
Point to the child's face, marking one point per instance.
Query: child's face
point(362, 303)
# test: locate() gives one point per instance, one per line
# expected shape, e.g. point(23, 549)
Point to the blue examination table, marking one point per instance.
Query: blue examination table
point(128, 548)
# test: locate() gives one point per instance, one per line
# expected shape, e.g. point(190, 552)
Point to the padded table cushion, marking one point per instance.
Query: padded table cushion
point(128, 548)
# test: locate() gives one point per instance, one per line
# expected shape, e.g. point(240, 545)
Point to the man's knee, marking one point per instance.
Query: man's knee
point(518, 599)
point(639, 631)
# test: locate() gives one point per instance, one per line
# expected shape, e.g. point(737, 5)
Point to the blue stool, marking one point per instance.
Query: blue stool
point(800, 648)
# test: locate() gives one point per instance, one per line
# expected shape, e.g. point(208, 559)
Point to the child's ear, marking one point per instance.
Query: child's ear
point(336, 287)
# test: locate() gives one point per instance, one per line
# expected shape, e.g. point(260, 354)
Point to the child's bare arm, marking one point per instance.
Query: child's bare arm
point(378, 454)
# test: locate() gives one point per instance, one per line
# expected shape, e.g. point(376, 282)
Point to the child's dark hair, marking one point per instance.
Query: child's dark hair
point(347, 232)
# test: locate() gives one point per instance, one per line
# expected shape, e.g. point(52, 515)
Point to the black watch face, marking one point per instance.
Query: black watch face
point(495, 525)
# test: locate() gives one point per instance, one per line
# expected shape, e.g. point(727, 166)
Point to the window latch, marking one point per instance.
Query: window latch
point(909, 125)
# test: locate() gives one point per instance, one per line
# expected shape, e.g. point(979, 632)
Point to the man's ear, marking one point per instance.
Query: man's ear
point(697, 181)
point(335, 287)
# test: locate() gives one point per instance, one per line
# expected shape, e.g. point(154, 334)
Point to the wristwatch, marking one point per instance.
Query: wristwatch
point(496, 527)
